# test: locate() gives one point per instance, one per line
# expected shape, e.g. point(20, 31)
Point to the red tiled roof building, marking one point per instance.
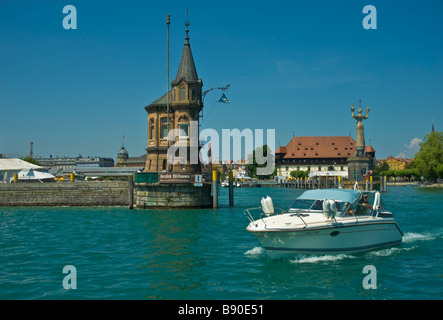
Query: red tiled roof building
point(328, 153)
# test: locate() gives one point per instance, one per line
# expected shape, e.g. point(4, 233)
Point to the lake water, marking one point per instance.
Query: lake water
point(207, 254)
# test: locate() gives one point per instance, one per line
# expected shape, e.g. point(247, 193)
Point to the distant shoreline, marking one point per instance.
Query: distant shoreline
point(400, 183)
point(433, 185)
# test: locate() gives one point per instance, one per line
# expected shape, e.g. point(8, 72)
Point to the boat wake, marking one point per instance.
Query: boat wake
point(410, 237)
point(260, 252)
point(256, 252)
point(389, 252)
point(413, 237)
point(325, 258)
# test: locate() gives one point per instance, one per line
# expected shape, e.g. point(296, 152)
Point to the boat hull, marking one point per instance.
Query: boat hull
point(327, 240)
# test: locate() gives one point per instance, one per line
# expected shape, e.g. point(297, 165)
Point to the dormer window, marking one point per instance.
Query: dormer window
point(182, 93)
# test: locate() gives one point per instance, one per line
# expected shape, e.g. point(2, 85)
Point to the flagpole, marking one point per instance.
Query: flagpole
point(168, 22)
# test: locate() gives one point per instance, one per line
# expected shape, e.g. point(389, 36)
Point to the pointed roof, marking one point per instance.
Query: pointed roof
point(162, 100)
point(186, 69)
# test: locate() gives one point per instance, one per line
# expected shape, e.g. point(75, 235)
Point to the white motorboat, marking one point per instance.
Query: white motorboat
point(325, 221)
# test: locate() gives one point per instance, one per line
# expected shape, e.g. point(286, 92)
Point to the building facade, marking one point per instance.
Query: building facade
point(396, 163)
point(175, 110)
point(75, 162)
point(96, 162)
point(124, 160)
point(315, 154)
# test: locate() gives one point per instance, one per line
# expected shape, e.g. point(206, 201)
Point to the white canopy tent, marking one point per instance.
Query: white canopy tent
point(10, 166)
point(31, 175)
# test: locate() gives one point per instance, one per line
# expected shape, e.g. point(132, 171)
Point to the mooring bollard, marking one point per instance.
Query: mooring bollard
point(231, 189)
point(214, 189)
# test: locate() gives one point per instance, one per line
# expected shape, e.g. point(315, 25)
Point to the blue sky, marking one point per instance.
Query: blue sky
point(293, 66)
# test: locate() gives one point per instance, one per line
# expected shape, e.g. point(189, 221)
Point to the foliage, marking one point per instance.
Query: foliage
point(379, 169)
point(429, 159)
point(299, 174)
point(31, 160)
point(253, 165)
point(413, 172)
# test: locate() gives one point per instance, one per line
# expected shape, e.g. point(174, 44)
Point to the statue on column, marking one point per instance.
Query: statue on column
point(360, 147)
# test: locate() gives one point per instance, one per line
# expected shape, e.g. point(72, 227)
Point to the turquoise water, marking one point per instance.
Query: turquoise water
point(208, 254)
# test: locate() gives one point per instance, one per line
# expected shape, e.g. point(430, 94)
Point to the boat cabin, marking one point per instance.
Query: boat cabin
point(346, 202)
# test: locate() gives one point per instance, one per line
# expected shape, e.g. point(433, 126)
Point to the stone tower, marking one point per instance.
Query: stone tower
point(122, 156)
point(185, 103)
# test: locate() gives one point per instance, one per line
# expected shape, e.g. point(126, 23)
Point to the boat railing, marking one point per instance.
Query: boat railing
point(249, 213)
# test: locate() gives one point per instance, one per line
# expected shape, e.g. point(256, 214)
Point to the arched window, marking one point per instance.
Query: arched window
point(183, 126)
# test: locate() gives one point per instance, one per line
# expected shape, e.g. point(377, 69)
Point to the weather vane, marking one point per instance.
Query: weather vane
point(187, 24)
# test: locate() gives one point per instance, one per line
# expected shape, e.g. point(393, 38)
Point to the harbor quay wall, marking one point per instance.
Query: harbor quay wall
point(159, 195)
point(106, 193)
point(78, 193)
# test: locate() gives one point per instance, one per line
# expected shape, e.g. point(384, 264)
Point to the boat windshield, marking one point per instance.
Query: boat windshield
point(348, 202)
point(362, 206)
point(305, 204)
point(316, 206)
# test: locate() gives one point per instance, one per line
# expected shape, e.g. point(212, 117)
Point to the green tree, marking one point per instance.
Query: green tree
point(253, 165)
point(429, 159)
point(299, 174)
point(31, 160)
point(388, 173)
point(378, 169)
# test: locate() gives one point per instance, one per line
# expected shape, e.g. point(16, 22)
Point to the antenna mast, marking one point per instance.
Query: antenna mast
point(30, 151)
point(168, 22)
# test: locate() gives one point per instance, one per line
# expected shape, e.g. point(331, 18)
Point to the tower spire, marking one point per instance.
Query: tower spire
point(186, 68)
point(187, 24)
